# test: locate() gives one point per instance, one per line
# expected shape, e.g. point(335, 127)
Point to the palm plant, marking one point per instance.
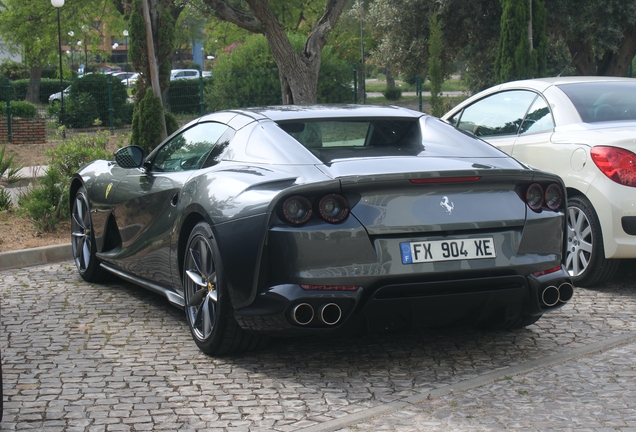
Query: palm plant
point(9, 174)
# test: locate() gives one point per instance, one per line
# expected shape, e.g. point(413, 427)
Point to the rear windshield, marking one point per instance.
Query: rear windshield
point(603, 101)
point(426, 136)
point(343, 139)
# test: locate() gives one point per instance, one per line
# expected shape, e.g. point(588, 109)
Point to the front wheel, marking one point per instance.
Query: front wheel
point(83, 240)
point(585, 255)
point(207, 304)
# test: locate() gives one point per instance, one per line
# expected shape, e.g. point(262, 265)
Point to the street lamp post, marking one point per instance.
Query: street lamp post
point(126, 45)
point(115, 46)
point(58, 4)
point(71, 47)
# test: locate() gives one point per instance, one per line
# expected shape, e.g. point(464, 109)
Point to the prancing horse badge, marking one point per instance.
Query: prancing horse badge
point(447, 205)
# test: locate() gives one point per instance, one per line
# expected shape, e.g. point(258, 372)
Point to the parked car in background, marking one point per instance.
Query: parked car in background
point(57, 97)
point(305, 219)
point(584, 130)
point(126, 77)
point(176, 74)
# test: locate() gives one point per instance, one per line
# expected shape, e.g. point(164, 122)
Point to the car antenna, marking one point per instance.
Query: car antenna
point(566, 66)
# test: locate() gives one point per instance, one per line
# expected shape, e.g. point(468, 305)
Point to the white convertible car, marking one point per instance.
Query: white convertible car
point(584, 130)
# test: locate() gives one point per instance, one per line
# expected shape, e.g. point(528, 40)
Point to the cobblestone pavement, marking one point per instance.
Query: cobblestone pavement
point(115, 357)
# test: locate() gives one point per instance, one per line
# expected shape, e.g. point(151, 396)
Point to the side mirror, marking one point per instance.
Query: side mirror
point(130, 157)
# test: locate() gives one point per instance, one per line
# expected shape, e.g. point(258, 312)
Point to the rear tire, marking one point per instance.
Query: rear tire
point(585, 255)
point(208, 307)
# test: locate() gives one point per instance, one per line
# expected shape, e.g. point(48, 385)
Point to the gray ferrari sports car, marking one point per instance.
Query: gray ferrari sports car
point(305, 219)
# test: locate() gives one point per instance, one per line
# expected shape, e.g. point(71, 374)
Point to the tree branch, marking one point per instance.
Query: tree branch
point(242, 19)
point(318, 37)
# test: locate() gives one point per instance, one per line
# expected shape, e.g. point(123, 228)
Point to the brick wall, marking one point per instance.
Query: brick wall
point(24, 130)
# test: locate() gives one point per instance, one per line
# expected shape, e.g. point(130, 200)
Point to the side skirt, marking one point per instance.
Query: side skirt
point(172, 297)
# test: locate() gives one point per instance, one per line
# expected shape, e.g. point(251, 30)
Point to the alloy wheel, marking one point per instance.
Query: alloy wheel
point(201, 292)
point(580, 242)
point(81, 233)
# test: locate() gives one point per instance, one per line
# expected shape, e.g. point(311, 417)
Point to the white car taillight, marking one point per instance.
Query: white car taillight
point(616, 163)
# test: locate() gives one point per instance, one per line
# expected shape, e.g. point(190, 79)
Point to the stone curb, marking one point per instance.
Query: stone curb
point(35, 256)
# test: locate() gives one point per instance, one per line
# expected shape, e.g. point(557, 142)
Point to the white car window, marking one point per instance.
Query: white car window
point(498, 114)
point(538, 119)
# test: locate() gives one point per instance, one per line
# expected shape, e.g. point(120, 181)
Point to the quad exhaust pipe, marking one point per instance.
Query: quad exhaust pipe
point(329, 314)
point(552, 295)
point(303, 314)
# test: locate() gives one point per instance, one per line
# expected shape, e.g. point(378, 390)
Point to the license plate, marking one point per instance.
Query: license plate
point(447, 250)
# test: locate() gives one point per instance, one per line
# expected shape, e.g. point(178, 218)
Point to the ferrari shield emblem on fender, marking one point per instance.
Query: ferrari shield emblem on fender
point(447, 205)
point(108, 188)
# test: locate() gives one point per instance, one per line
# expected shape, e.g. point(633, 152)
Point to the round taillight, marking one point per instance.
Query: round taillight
point(333, 208)
point(297, 210)
point(534, 196)
point(553, 196)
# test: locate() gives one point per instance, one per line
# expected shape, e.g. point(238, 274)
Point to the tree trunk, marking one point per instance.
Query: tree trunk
point(582, 58)
point(152, 60)
point(390, 79)
point(617, 63)
point(362, 85)
point(33, 92)
point(298, 72)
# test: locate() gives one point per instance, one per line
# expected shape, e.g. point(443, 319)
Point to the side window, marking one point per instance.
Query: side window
point(455, 119)
point(539, 118)
point(499, 114)
point(189, 149)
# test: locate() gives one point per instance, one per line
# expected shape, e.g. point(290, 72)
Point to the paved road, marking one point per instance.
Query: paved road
point(115, 357)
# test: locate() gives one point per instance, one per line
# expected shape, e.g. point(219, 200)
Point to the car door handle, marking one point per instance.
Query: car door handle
point(174, 200)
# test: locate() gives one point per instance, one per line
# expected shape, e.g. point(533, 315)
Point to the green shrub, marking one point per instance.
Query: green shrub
point(247, 76)
point(146, 125)
point(13, 70)
point(184, 95)
point(19, 109)
point(19, 89)
point(127, 113)
point(46, 203)
point(171, 123)
point(392, 93)
point(334, 82)
point(82, 110)
point(51, 71)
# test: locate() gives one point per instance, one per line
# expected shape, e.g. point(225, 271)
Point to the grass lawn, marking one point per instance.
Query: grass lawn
point(379, 84)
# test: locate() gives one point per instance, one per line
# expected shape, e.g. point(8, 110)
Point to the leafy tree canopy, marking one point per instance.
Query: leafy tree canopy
point(599, 36)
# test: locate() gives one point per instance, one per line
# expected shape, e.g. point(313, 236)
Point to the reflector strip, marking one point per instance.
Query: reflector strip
point(330, 287)
point(445, 180)
point(548, 271)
